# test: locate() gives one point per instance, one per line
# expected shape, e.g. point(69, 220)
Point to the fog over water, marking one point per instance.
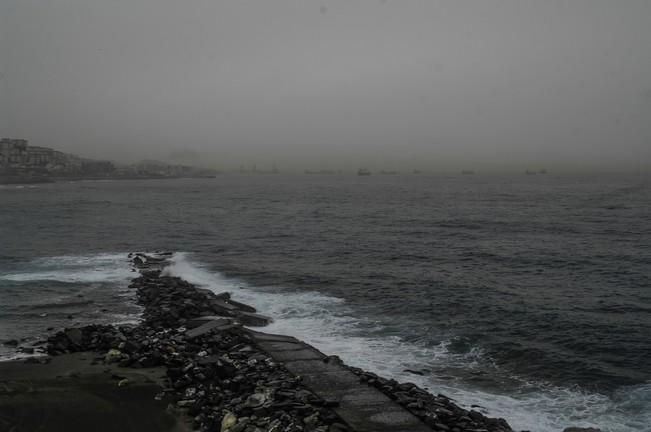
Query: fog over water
point(333, 84)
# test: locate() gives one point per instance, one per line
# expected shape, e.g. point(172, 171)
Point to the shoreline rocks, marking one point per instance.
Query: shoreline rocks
point(220, 377)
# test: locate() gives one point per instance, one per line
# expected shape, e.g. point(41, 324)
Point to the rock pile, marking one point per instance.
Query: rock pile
point(439, 411)
point(220, 377)
point(216, 374)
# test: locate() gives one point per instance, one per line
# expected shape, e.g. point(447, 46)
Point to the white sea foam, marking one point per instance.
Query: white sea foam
point(330, 325)
point(11, 355)
point(92, 287)
point(69, 268)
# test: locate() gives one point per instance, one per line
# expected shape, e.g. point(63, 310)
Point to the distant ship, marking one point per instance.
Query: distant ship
point(542, 171)
point(529, 172)
point(363, 172)
point(385, 172)
point(467, 172)
point(416, 171)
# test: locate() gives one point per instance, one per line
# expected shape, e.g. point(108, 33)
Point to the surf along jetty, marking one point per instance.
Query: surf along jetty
point(195, 363)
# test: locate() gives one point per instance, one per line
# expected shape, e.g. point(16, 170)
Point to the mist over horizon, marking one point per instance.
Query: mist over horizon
point(434, 86)
point(325, 216)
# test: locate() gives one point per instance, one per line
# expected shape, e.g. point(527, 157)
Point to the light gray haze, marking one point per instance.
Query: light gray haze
point(395, 84)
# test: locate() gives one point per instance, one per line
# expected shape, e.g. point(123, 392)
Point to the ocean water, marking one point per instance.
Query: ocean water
point(529, 296)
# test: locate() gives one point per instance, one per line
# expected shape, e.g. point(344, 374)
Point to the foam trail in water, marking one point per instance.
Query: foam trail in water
point(329, 324)
point(69, 268)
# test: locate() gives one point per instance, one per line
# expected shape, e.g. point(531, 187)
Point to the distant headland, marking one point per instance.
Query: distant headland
point(22, 163)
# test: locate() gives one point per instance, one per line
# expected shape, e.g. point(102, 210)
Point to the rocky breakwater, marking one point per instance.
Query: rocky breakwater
point(226, 377)
point(216, 375)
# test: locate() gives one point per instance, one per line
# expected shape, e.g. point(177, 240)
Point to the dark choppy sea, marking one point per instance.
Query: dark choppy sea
point(527, 295)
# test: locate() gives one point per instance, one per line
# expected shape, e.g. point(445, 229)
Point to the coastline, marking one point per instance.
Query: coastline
point(225, 376)
point(18, 180)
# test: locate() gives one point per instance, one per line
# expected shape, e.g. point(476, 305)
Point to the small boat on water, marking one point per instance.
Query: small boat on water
point(363, 172)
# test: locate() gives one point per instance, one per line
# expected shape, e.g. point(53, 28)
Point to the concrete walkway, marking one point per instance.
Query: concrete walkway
point(364, 408)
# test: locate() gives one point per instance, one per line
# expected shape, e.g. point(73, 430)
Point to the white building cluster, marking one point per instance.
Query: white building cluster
point(20, 159)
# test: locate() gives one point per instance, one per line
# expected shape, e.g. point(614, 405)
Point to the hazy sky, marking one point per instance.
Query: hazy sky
point(397, 83)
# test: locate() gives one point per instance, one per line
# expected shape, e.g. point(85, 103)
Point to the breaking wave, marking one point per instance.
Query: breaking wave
point(102, 268)
point(46, 294)
point(332, 326)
